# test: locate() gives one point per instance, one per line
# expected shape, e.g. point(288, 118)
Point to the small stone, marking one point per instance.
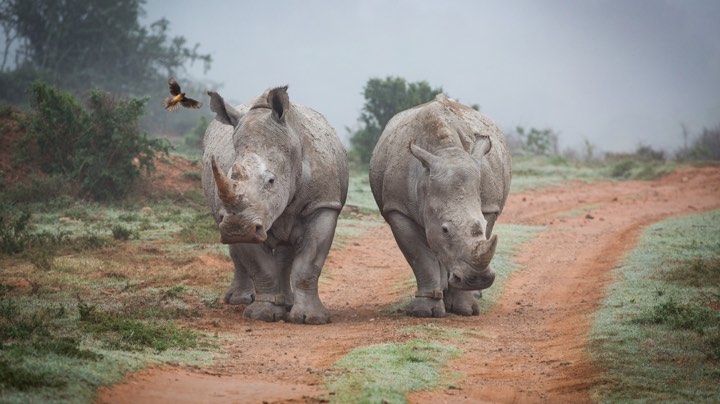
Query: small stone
point(589, 216)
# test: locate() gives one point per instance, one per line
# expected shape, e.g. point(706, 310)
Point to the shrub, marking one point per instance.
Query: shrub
point(121, 232)
point(14, 234)
point(100, 148)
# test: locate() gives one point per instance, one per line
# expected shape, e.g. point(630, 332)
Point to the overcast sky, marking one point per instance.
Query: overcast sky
point(618, 73)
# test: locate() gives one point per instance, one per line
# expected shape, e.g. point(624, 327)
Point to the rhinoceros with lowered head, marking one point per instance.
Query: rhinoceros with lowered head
point(440, 174)
point(275, 177)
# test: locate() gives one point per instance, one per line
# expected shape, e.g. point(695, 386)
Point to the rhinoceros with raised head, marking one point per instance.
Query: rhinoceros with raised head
point(440, 174)
point(275, 177)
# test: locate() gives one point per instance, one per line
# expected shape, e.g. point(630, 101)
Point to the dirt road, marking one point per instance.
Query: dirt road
point(535, 349)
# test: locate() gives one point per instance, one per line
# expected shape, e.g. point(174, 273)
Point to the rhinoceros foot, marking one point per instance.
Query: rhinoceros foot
point(426, 307)
point(236, 296)
point(308, 312)
point(265, 311)
point(462, 302)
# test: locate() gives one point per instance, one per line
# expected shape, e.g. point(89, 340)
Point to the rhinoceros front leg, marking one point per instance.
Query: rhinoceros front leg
point(462, 302)
point(465, 302)
point(410, 237)
point(265, 270)
point(242, 288)
point(309, 260)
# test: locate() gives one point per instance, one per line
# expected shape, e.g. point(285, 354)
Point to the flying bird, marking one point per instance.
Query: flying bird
point(178, 98)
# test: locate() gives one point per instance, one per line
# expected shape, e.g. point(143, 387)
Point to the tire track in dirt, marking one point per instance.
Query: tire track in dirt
point(536, 345)
point(541, 323)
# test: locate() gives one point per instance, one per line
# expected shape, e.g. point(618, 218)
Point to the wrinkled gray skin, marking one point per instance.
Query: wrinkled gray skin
point(440, 174)
point(275, 177)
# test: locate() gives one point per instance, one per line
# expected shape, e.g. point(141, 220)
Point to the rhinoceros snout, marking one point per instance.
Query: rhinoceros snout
point(232, 232)
point(475, 281)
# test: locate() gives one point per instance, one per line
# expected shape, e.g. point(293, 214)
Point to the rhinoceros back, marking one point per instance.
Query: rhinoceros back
point(394, 172)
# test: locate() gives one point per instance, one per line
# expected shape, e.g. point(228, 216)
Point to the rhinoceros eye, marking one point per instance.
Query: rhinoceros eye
point(269, 181)
point(445, 229)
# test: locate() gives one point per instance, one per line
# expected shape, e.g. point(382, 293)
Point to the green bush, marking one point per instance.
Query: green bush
point(100, 147)
point(14, 234)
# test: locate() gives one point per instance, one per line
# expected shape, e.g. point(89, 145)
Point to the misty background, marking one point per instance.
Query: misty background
point(617, 73)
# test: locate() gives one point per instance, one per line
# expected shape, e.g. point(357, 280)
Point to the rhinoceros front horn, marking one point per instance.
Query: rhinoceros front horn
point(223, 184)
point(484, 252)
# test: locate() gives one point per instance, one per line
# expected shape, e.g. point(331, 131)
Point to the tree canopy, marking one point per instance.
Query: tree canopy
point(83, 44)
point(383, 99)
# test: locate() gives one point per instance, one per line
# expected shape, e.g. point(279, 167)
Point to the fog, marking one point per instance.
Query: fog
point(617, 73)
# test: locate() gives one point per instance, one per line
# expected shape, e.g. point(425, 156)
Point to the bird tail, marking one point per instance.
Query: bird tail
point(169, 104)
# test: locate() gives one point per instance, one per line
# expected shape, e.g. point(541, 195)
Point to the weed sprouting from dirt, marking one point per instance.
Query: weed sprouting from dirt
point(387, 372)
point(685, 316)
point(127, 334)
point(120, 232)
point(697, 272)
point(201, 229)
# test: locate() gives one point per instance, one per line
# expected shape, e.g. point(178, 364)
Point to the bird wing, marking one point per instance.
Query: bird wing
point(174, 87)
point(190, 103)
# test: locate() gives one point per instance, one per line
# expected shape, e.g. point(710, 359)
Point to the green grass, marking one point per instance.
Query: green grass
point(657, 335)
point(434, 332)
point(385, 373)
point(359, 193)
point(142, 292)
point(539, 172)
point(54, 351)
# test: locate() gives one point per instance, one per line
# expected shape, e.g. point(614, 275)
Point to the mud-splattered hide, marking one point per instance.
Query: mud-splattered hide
point(275, 178)
point(440, 174)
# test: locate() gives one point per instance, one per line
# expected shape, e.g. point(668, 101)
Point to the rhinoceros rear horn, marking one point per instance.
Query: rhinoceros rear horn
point(426, 158)
point(279, 102)
point(224, 187)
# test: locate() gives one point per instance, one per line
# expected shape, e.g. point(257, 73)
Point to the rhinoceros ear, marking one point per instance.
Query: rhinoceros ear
point(482, 146)
point(426, 158)
point(279, 102)
point(223, 113)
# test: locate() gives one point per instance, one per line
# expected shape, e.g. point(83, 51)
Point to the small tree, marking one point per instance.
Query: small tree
point(705, 147)
point(383, 99)
point(538, 142)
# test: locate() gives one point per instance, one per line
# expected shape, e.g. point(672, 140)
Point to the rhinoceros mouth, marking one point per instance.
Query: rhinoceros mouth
point(254, 239)
point(254, 235)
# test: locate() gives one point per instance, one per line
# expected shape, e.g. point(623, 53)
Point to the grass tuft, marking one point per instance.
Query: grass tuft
point(120, 332)
point(387, 372)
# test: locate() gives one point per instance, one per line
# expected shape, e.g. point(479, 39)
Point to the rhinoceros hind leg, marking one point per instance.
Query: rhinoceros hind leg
point(265, 311)
point(425, 307)
point(462, 302)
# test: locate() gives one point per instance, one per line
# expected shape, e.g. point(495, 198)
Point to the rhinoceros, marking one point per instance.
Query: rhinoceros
point(275, 177)
point(440, 174)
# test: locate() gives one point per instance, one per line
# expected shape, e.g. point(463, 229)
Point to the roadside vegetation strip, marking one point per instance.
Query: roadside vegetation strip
point(387, 372)
point(54, 351)
point(657, 335)
point(532, 172)
point(105, 291)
